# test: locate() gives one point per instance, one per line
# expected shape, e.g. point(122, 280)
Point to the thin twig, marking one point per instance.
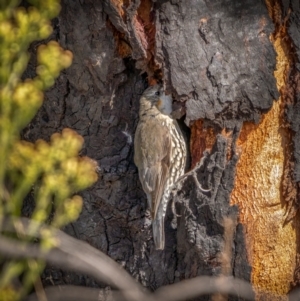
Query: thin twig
point(194, 175)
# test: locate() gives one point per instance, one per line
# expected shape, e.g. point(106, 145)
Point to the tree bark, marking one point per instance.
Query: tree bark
point(217, 58)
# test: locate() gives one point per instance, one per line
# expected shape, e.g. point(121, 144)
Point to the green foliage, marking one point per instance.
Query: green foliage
point(52, 171)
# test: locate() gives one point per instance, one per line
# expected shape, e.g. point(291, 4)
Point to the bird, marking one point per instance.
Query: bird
point(159, 154)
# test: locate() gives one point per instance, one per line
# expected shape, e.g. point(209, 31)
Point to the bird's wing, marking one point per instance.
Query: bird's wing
point(152, 157)
point(160, 173)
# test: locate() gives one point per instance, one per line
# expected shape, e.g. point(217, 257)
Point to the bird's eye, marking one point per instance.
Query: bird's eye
point(157, 93)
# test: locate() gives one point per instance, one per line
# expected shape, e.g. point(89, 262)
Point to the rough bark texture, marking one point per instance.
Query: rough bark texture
point(291, 14)
point(216, 58)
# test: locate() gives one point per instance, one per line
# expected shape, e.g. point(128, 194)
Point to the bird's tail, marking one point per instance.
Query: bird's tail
point(158, 232)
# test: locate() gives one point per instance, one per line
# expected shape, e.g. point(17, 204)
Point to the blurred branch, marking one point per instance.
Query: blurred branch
point(73, 254)
point(225, 255)
point(204, 285)
point(75, 293)
point(294, 295)
point(185, 290)
point(68, 253)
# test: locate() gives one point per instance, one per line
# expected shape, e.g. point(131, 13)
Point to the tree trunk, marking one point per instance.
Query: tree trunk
point(217, 58)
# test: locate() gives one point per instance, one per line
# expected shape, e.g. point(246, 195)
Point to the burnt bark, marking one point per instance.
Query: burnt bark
point(216, 59)
point(291, 15)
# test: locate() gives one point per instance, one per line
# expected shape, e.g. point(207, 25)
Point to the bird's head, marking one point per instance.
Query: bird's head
point(154, 96)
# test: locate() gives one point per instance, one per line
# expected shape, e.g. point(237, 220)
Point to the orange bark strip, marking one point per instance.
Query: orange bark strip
point(271, 246)
point(120, 4)
point(201, 139)
point(144, 31)
point(122, 46)
point(262, 177)
point(145, 17)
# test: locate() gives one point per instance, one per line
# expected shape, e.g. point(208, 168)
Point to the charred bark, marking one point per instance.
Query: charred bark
point(217, 60)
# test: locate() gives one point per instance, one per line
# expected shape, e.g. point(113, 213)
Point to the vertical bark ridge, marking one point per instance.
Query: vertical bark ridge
point(264, 188)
